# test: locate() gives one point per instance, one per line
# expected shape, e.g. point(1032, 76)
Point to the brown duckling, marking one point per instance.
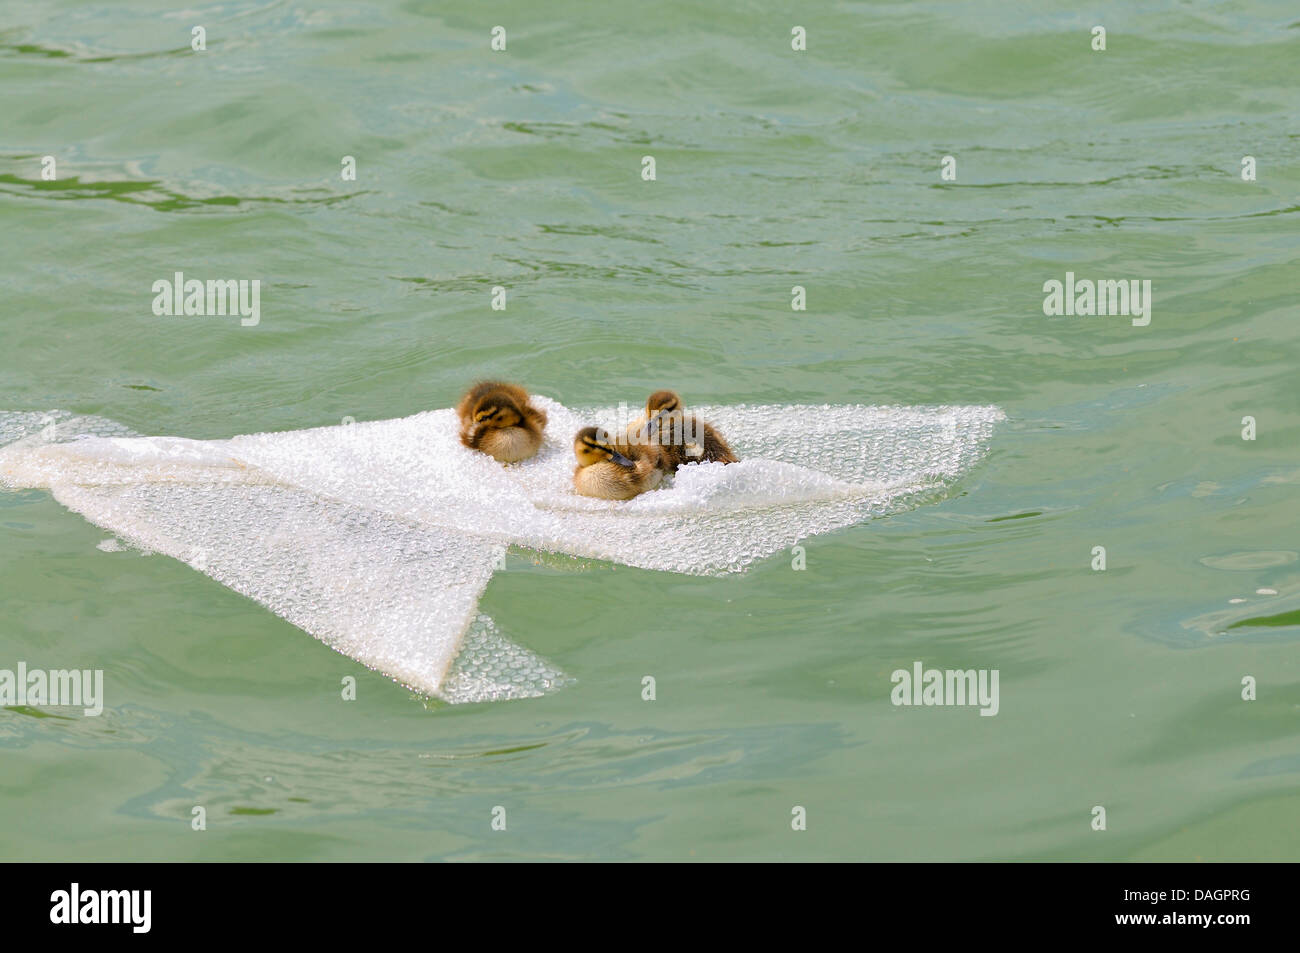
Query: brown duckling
point(499, 420)
point(681, 437)
point(613, 471)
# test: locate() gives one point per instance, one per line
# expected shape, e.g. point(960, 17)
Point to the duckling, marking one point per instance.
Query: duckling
point(613, 471)
point(498, 419)
point(681, 438)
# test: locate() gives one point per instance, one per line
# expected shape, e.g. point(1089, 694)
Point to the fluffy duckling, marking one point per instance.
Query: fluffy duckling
point(498, 419)
point(613, 471)
point(681, 437)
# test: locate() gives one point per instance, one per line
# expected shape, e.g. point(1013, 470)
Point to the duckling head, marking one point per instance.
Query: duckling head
point(592, 445)
point(662, 402)
point(496, 409)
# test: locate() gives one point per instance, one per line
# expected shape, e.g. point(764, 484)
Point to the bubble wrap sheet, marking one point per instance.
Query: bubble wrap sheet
point(378, 538)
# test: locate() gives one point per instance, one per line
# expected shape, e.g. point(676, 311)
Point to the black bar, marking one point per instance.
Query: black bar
point(934, 901)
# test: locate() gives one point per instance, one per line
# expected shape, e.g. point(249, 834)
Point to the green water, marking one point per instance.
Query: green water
point(1120, 688)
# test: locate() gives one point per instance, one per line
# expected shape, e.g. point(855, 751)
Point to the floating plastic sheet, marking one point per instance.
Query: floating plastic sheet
point(378, 538)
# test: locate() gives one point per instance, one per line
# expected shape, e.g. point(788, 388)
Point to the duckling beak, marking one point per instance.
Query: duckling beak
point(621, 460)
